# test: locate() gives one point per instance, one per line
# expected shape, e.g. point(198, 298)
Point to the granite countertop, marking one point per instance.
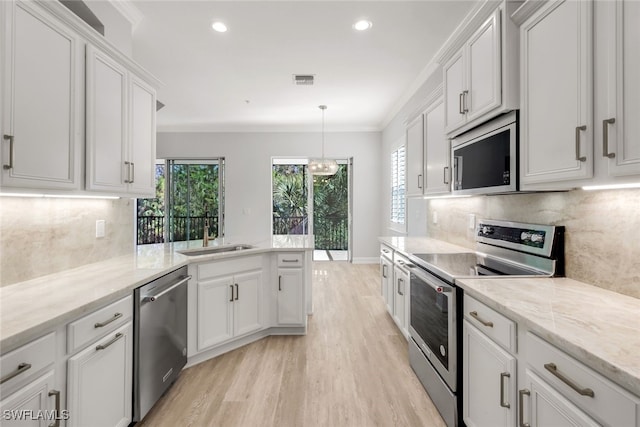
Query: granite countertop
point(596, 326)
point(31, 308)
point(422, 245)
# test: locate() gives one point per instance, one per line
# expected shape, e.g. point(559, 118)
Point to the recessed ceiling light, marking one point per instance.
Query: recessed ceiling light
point(362, 25)
point(219, 27)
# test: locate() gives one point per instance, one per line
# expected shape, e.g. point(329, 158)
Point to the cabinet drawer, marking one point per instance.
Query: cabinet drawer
point(22, 363)
point(386, 252)
point(228, 267)
point(290, 260)
point(593, 393)
point(92, 326)
point(499, 328)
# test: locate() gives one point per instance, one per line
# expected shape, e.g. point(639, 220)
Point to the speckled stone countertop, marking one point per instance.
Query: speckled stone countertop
point(31, 308)
point(422, 245)
point(596, 326)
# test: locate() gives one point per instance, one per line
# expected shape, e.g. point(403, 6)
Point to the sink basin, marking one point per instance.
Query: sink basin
point(215, 250)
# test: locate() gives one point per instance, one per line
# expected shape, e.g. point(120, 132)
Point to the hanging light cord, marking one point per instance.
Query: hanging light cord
point(322, 107)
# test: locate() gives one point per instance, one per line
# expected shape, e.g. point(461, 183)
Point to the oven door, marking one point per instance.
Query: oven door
point(433, 322)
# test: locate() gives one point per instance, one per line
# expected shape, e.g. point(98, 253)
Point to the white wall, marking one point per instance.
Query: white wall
point(248, 176)
point(117, 29)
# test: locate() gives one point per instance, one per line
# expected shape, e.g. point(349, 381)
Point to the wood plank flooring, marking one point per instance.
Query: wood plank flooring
point(351, 369)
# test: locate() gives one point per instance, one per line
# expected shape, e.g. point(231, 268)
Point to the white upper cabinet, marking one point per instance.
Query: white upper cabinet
point(480, 69)
point(556, 133)
point(414, 180)
point(617, 107)
point(41, 95)
point(437, 151)
point(120, 128)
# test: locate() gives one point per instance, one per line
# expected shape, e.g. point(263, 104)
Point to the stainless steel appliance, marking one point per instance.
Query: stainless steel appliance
point(485, 159)
point(160, 338)
point(503, 248)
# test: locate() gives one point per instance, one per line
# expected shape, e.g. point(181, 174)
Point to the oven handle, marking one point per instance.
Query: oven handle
point(429, 280)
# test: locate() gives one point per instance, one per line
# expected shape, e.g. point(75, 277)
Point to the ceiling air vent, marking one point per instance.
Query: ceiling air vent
point(303, 79)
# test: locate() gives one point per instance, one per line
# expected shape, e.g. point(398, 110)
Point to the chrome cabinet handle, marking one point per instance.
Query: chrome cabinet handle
point(290, 260)
point(56, 393)
point(237, 292)
point(584, 391)
point(460, 107)
point(231, 286)
point(578, 157)
point(133, 172)
point(522, 394)
point(128, 178)
point(10, 165)
point(465, 109)
point(152, 298)
point(104, 346)
point(401, 281)
point(486, 323)
point(503, 375)
point(605, 138)
point(279, 283)
point(23, 367)
point(420, 181)
point(106, 322)
point(446, 175)
point(384, 270)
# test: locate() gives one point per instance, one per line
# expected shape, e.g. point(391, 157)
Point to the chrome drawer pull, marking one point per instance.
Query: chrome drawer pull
point(522, 394)
point(106, 322)
point(290, 260)
point(10, 139)
point(104, 346)
point(474, 314)
point(279, 283)
point(446, 175)
point(503, 375)
point(21, 368)
point(56, 393)
point(605, 138)
point(551, 367)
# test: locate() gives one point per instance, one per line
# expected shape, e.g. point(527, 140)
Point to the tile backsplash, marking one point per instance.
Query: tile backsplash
point(602, 235)
point(39, 236)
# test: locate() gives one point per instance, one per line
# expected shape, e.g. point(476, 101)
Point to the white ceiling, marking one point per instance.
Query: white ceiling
point(241, 80)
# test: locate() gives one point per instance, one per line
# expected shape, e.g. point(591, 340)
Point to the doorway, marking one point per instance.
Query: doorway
point(314, 205)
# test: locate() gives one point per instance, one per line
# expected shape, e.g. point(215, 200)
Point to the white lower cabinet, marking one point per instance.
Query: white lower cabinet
point(489, 381)
point(33, 405)
point(401, 282)
point(541, 405)
point(228, 307)
point(386, 277)
point(99, 383)
point(290, 296)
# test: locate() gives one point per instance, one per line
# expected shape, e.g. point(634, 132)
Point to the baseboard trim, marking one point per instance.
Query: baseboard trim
point(366, 260)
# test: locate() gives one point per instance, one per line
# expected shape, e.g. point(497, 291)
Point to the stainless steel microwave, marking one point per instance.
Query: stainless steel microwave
point(485, 159)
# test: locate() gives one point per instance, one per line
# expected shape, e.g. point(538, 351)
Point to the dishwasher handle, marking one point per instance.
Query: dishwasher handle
point(152, 298)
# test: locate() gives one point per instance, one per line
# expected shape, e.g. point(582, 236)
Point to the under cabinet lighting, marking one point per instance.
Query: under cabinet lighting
point(611, 186)
point(57, 196)
point(448, 196)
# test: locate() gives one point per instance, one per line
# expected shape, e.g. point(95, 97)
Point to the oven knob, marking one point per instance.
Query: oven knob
point(443, 351)
point(536, 238)
point(525, 236)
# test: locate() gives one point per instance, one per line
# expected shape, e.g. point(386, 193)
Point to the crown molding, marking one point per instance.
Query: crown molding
point(129, 11)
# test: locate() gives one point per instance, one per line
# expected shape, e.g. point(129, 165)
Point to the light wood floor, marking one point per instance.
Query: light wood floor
point(351, 369)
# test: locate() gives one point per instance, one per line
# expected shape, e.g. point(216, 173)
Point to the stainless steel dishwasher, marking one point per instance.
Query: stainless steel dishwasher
point(160, 338)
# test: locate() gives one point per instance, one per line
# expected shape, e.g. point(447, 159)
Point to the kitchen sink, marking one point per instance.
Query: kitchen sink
point(215, 250)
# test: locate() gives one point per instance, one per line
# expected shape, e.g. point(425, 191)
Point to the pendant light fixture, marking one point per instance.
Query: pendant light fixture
point(323, 166)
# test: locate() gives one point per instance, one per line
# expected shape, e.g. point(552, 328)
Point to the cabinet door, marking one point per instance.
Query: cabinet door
point(106, 124)
point(544, 406)
point(401, 285)
point(415, 157)
point(489, 381)
point(454, 88)
point(215, 303)
point(42, 109)
point(142, 138)
point(386, 279)
point(485, 77)
point(290, 303)
point(556, 88)
point(246, 303)
point(28, 402)
point(622, 38)
point(437, 151)
point(99, 381)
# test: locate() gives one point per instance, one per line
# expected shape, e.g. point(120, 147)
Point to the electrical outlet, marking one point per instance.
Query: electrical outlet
point(434, 217)
point(100, 225)
point(472, 221)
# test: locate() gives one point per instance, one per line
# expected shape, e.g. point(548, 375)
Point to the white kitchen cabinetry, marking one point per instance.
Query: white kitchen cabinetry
point(401, 283)
point(120, 128)
point(437, 151)
point(42, 100)
point(99, 382)
point(386, 276)
point(227, 301)
point(34, 405)
point(488, 370)
point(617, 106)
point(414, 181)
point(290, 289)
point(556, 128)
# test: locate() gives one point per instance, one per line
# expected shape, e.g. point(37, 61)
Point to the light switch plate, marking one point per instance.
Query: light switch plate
point(434, 217)
point(472, 221)
point(100, 225)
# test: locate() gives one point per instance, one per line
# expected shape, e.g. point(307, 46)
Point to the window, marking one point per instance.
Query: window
point(397, 186)
point(189, 195)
